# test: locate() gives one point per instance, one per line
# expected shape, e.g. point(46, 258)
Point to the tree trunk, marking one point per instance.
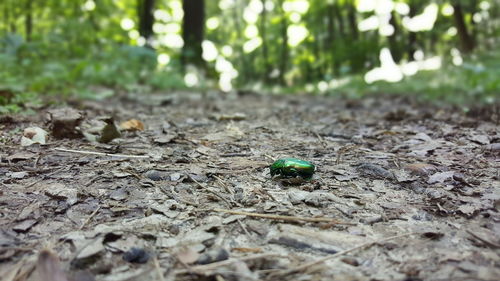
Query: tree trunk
point(412, 36)
point(263, 35)
point(192, 31)
point(466, 40)
point(353, 23)
point(145, 10)
point(393, 39)
point(284, 45)
point(340, 20)
point(28, 20)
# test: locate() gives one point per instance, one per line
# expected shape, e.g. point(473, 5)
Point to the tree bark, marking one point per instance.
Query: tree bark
point(145, 10)
point(284, 45)
point(393, 39)
point(28, 20)
point(263, 35)
point(193, 31)
point(412, 36)
point(353, 23)
point(466, 40)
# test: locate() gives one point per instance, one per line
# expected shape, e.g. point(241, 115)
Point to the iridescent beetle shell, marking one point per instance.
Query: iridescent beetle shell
point(292, 167)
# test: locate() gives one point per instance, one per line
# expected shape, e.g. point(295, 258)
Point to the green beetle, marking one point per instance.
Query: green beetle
point(291, 168)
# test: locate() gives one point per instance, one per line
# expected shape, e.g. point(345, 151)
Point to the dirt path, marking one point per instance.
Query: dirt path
point(201, 193)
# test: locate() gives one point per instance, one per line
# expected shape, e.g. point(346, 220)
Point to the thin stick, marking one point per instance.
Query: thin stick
point(489, 243)
point(89, 218)
point(101, 153)
point(201, 269)
point(318, 261)
point(285, 218)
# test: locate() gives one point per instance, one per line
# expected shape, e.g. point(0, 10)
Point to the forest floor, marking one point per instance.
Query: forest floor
point(402, 191)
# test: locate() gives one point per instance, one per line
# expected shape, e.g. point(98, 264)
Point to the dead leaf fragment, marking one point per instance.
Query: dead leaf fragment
point(421, 169)
point(132, 125)
point(49, 268)
point(187, 255)
point(440, 177)
point(33, 135)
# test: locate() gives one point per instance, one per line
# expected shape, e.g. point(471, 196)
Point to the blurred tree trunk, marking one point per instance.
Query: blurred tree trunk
point(145, 9)
point(340, 20)
point(330, 38)
point(393, 39)
point(192, 31)
point(353, 23)
point(263, 35)
point(284, 44)
point(466, 40)
point(28, 20)
point(412, 36)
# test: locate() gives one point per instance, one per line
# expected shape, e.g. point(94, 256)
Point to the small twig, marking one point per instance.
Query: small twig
point(279, 217)
point(211, 191)
point(89, 218)
point(158, 269)
point(321, 260)
point(48, 175)
point(101, 153)
point(203, 269)
point(489, 243)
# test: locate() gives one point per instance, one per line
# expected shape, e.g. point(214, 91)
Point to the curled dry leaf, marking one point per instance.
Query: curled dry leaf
point(132, 125)
point(33, 135)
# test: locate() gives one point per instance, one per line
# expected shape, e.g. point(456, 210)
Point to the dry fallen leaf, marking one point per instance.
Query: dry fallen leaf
point(187, 255)
point(49, 268)
point(132, 125)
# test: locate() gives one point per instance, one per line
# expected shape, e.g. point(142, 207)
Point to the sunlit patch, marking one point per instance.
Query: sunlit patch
point(388, 70)
point(227, 51)
point(210, 52)
point(418, 55)
point(158, 27)
point(172, 28)
point(424, 21)
point(212, 23)
point(369, 23)
point(162, 15)
point(163, 59)
point(410, 68)
point(484, 5)
point(309, 88)
point(295, 17)
point(133, 34)
point(447, 10)
point(452, 31)
point(171, 40)
point(225, 83)
point(296, 34)
point(402, 8)
point(177, 11)
point(252, 44)
point(89, 5)
point(366, 5)
point(322, 86)
point(191, 79)
point(269, 5)
point(250, 16)
point(227, 73)
point(477, 18)
point(456, 57)
point(256, 6)
point(141, 41)
point(384, 7)
point(226, 4)
point(337, 83)
point(127, 24)
point(386, 30)
point(299, 6)
point(251, 31)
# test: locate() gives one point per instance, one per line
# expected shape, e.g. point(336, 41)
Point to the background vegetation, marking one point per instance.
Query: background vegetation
point(94, 48)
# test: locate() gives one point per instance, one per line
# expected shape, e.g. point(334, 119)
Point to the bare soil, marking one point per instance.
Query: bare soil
point(402, 191)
